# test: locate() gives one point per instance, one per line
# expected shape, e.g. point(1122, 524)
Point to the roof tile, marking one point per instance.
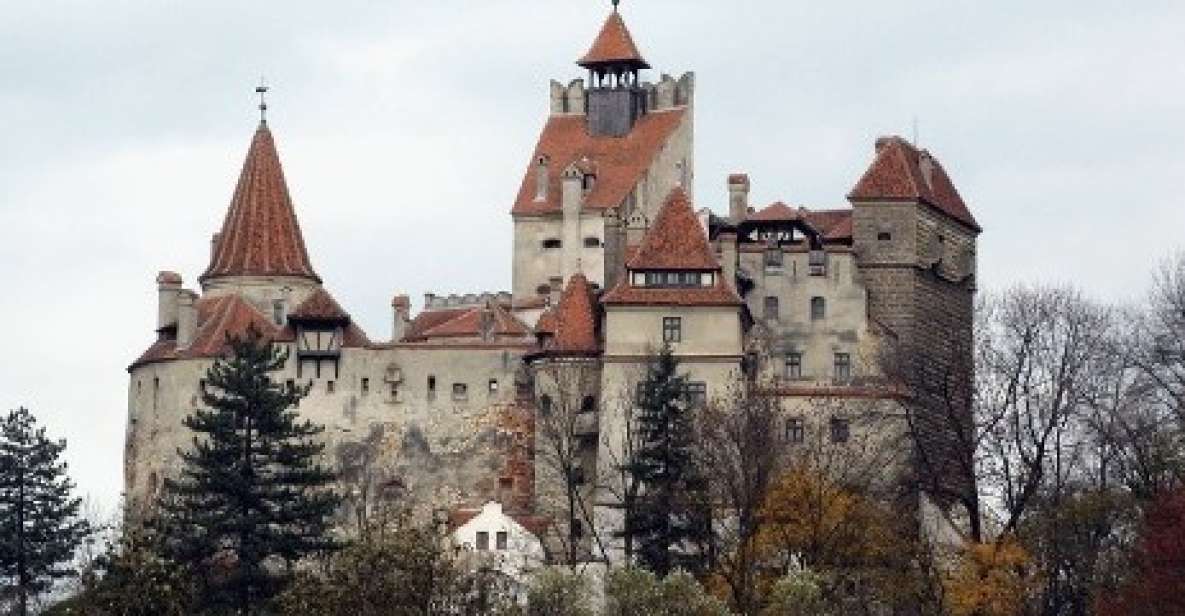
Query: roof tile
point(614, 45)
point(901, 171)
point(676, 240)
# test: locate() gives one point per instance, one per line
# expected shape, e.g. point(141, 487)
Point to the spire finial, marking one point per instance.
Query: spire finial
point(615, 3)
point(262, 89)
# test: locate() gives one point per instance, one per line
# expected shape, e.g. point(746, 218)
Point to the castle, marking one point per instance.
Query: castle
point(611, 261)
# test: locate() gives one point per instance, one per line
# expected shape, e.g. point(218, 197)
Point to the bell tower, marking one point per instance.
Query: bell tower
point(616, 99)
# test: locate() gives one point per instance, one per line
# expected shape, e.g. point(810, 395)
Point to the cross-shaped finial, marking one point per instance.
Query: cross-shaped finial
point(262, 89)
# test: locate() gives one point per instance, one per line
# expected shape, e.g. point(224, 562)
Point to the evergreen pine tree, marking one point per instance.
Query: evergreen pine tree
point(40, 528)
point(252, 497)
point(667, 517)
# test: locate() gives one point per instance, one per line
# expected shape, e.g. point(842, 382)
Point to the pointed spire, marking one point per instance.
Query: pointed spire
point(575, 319)
point(260, 235)
point(614, 46)
point(676, 240)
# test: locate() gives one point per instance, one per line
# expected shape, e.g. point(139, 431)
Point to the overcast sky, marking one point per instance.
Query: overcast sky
point(404, 128)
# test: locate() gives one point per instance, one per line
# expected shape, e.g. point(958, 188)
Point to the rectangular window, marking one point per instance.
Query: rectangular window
point(818, 308)
point(843, 366)
point(672, 329)
point(818, 263)
point(431, 388)
point(365, 386)
point(502, 539)
point(795, 432)
point(493, 387)
point(671, 279)
point(773, 257)
point(771, 308)
point(697, 394)
point(794, 366)
point(551, 244)
point(278, 311)
point(840, 430)
point(329, 387)
point(483, 541)
point(460, 392)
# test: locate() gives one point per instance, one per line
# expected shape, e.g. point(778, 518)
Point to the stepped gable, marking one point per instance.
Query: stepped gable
point(613, 45)
point(260, 235)
point(620, 162)
point(573, 322)
point(676, 240)
point(902, 172)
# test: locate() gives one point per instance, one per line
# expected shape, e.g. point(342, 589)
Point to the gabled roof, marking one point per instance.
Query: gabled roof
point(719, 294)
point(620, 161)
point(614, 45)
point(573, 322)
point(472, 322)
point(676, 240)
point(260, 235)
point(778, 212)
point(320, 306)
point(900, 171)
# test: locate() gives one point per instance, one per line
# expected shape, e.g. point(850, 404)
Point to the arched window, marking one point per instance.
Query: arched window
point(818, 308)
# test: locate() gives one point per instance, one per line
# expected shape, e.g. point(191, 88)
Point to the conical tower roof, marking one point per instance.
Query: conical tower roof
point(261, 235)
point(676, 240)
point(614, 45)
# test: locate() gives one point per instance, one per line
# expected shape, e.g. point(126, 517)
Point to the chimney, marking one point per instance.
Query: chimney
point(571, 190)
point(926, 165)
point(556, 287)
point(186, 318)
point(738, 197)
point(168, 285)
point(214, 246)
point(541, 178)
point(728, 257)
point(401, 307)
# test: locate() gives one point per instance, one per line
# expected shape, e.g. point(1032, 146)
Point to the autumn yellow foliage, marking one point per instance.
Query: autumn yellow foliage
point(991, 579)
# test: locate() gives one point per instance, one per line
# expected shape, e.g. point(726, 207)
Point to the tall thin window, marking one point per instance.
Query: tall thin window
point(502, 540)
point(795, 432)
point(793, 366)
point(771, 308)
point(843, 366)
point(672, 329)
point(483, 541)
point(431, 388)
point(365, 386)
point(545, 405)
point(818, 308)
point(840, 430)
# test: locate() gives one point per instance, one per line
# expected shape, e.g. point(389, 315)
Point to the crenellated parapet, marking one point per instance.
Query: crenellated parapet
point(467, 300)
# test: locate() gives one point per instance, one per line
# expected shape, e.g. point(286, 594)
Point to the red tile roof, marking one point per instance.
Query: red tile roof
point(676, 240)
point(620, 161)
point(320, 306)
point(778, 212)
point(900, 171)
point(719, 295)
point(261, 235)
point(471, 322)
point(574, 319)
point(614, 45)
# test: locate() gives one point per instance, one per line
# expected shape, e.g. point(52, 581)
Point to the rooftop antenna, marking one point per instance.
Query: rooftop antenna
point(262, 89)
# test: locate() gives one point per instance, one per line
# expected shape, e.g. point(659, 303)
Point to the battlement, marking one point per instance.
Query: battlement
point(667, 93)
point(468, 300)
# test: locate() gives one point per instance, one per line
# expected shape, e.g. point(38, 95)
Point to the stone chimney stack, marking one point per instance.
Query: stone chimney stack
point(401, 307)
point(738, 197)
point(168, 285)
point(214, 246)
point(542, 178)
point(186, 318)
point(728, 257)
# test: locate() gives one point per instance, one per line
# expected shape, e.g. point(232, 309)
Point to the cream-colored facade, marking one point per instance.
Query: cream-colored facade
point(445, 412)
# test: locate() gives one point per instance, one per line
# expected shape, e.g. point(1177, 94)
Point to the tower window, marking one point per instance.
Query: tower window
point(542, 289)
point(431, 388)
point(493, 386)
point(771, 308)
point(588, 404)
point(365, 386)
point(794, 366)
point(552, 243)
point(278, 311)
point(843, 366)
point(545, 405)
point(818, 308)
point(483, 541)
point(460, 392)
point(330, 386)
point(502, 539)
point(840, 430)
point(773, 257)
point(884, 236)
point(672, 329)
point(697, 394)
point(817, 260)
point(795, 432)
point(592, 242)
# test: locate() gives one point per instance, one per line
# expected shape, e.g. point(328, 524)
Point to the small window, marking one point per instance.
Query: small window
point(672, 329)
point(843, 366)
point(577, 529)
point(278, 311)
point(542, 289)
point(818, 308)
point(545, 405)
point(592, 242)
point(431, 388)
point(460, 392)
point(329, 387)
point(552, 243)
point(365, 386)
point(394, 391)
point(884, 236)
point(578, 478)
point(202, 385)
point(771, 308)
point(817, 260)
point(773, 257)
point(795, 432)
point(483, 541)
point(840, 430)
point(794, 366)
point(588, 404)
point(290, 384)
point(502, 540)
point(697, 394)
point(493, 386)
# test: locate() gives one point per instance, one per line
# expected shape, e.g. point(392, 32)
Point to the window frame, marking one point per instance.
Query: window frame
point(795, 431)
point(842, 367)
point(776, 303)
point(481, 541)
point(840, 430)
point(793, 359)
point(672, 330)
point(818, 308)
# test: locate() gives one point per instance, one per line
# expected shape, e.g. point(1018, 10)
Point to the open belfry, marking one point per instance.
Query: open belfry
point(613, 259)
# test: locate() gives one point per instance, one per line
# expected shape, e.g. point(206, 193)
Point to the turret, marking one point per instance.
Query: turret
point(616, 99)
